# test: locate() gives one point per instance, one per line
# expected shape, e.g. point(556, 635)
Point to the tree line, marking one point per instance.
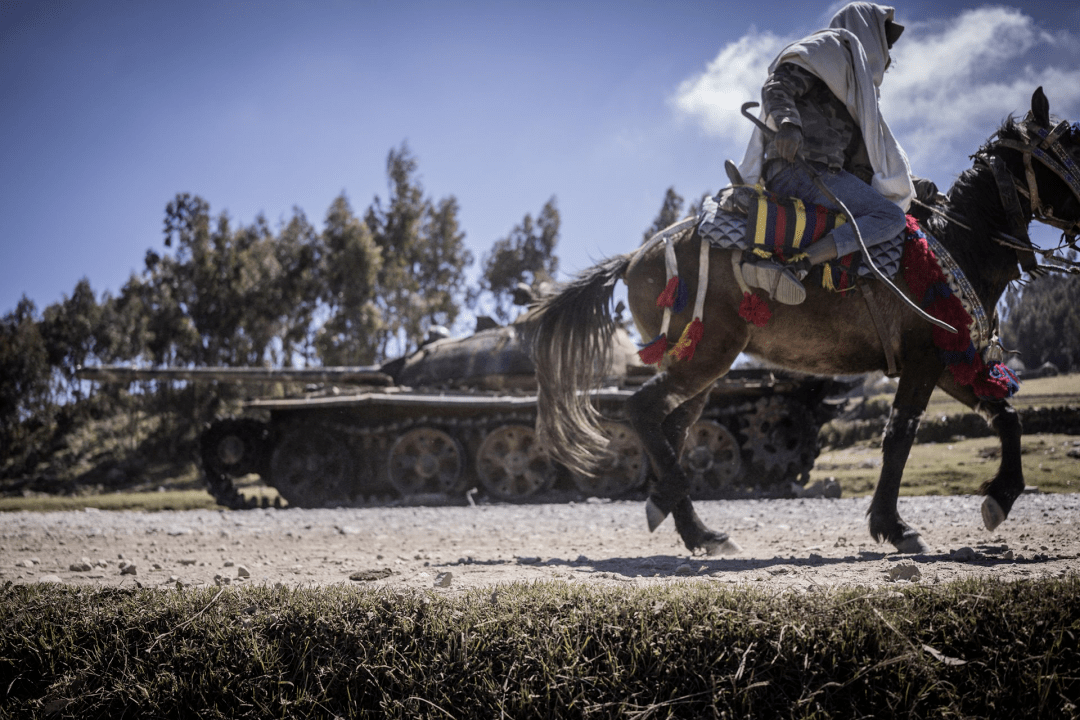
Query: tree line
point(364, 288)
point(1040, 321)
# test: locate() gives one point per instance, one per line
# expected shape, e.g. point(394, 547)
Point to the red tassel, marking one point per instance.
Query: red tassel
point(952, 312)
point(965, 373)
point(671, 291)
point(754, 310)
point(684, 349)
point(653, 353)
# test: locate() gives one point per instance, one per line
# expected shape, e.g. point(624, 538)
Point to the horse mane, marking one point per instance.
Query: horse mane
point(974, 194)
point(974, 202)
point(1009, 130)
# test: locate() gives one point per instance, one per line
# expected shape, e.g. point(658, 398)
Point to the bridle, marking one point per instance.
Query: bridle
point(1044, 145)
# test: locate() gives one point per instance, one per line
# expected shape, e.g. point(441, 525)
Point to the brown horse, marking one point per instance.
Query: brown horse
point(983, 225)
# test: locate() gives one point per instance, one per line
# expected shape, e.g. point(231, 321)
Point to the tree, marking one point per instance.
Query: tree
point(670, 213)
point(1041, 322)
point(526, 255)
point(422, 279)
point(348, 275)
point(229, 296)
point(70, 330)
point(299, 250)
point(24, 374)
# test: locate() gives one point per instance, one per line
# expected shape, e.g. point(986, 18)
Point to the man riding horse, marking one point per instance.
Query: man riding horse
point(935, 330)
point(821, 97)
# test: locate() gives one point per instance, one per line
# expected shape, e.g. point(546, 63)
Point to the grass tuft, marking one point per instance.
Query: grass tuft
point(973, 649)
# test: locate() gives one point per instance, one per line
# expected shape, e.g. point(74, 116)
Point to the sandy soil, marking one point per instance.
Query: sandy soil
point(795, 544)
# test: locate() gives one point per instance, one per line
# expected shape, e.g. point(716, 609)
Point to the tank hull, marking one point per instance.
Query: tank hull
point(456, 421)
point(756, 436)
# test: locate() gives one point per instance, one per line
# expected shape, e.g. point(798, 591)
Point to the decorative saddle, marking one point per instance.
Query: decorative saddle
point(755, 220)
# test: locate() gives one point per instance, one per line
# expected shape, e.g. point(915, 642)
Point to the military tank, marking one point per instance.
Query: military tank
point(457, 418)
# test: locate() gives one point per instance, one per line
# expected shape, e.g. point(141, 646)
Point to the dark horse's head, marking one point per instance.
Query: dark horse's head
point(1041, 156)
point(1028, 170)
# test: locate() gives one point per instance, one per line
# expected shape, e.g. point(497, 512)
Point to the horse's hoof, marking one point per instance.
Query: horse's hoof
point(992, 514)
point(727, 547)
point(654, 514)
point(911, 544)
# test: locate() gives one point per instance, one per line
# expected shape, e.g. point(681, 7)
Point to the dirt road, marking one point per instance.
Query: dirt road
point(798, 544)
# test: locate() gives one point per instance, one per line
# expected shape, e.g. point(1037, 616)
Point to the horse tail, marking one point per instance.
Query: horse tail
point(572, 339)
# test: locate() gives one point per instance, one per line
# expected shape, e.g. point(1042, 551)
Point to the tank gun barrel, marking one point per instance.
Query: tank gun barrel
point(355, 375)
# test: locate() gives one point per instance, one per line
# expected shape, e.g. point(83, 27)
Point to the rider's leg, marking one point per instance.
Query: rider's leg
point(878, 220)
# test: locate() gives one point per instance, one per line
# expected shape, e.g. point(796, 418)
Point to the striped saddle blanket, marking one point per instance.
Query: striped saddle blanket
point(768, 225)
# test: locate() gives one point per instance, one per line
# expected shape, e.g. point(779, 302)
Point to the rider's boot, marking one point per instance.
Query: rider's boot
point(783, 283)
point(775, 279)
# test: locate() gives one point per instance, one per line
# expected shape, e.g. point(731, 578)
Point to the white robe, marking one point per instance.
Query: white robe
point(850, 57)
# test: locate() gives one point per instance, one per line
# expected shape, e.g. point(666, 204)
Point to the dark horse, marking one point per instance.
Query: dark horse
point(982, 224)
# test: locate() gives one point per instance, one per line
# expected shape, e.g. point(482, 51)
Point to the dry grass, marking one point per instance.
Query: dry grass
point(975, 649)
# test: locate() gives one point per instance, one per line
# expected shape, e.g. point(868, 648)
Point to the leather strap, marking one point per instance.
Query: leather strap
point(1014, 212)
point(879, 325)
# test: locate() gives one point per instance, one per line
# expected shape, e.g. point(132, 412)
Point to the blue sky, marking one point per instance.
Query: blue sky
point(109, 109)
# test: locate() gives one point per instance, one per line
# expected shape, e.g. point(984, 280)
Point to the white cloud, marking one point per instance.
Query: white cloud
point(955, 81)
point(734, 77)
point(952, 83)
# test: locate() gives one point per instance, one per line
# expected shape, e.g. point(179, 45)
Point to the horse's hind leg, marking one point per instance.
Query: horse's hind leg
point(660, 412)
point(675, 427)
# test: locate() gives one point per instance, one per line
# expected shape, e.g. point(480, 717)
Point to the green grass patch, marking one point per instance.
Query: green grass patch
point(955, 468)
point(693, 649)
point(146, 501)
point(174, 495)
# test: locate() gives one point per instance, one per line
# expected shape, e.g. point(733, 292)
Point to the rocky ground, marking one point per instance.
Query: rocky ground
point(789, 544)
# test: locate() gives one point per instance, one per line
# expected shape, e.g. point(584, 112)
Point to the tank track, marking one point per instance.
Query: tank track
point(250, 439)
point(768, 467)
point(778, 438)
point(257, 439)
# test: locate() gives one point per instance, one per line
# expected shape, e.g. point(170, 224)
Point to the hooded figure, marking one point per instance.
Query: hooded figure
point(822, 99)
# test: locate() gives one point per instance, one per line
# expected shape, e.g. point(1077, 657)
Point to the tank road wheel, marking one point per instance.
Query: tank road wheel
point(512, 465)
point(781, 438)
point(712, 459)
point(312, 467)
point(426, 460)
point(235, 447)
point(231, 448)
point(625, 470)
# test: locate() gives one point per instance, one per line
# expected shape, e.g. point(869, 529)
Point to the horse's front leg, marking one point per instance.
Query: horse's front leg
point(917, 381)
point(1002, 490)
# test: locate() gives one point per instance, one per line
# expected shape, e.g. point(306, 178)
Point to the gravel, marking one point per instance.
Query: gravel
point(795, 544)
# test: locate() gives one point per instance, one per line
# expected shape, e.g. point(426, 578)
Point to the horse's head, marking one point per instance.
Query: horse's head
point(1036, 163)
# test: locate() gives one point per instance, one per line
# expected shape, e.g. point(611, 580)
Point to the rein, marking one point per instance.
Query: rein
point(1008, 241)
point(1045, 146)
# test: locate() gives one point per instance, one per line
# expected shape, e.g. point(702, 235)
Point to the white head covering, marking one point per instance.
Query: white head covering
point(850, 57)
